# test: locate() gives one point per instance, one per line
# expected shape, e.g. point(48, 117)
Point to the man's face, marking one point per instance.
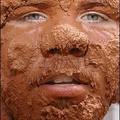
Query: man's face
point(59, 58)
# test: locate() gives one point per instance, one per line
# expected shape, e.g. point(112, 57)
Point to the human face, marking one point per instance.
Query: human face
point(59, 58)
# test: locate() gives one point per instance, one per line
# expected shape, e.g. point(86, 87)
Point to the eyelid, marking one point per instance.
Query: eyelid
point(41, 13)
point(30, 13)
point(105, 17)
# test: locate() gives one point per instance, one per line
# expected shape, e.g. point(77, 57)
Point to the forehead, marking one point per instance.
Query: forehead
point(111, 3)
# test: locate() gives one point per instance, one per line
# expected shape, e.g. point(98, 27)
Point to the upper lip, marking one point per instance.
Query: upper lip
point(61, 79)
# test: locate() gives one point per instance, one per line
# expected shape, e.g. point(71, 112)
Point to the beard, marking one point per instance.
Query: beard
point(91, 108)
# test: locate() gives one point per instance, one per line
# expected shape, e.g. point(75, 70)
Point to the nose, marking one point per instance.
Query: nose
point(66, 40)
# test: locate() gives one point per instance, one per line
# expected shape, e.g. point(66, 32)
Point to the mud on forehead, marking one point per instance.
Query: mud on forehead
point(8, 6)
point(7, 3)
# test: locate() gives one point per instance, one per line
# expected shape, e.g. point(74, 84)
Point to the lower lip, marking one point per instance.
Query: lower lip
point(64, 90)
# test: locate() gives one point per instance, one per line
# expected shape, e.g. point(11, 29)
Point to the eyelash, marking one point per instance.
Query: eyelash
point(90, 17)
point(34, 17)
point(99, 17)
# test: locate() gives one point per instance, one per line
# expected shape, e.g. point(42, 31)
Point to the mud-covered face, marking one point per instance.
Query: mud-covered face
point(59, 58)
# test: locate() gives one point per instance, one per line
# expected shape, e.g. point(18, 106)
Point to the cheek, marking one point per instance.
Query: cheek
point(112, 63)
point(103, 53)
point(19, 55)
point(101, 34)
point(22, 47)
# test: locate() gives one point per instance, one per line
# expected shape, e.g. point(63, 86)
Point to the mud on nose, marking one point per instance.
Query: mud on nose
point(67, 40)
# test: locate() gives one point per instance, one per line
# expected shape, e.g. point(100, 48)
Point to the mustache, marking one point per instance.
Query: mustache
point(44, 70)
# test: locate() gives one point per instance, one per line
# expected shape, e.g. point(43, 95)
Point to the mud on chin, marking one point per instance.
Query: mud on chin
point(91, 108)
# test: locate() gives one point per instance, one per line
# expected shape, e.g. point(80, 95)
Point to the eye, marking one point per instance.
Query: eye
point(34, 17)
point(93, 17)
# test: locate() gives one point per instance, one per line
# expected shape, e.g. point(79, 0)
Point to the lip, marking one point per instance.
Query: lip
point(70, 87)
point(64, 90)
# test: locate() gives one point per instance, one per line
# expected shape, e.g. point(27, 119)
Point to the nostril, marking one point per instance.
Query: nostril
point(54, 51)
point(76, 52)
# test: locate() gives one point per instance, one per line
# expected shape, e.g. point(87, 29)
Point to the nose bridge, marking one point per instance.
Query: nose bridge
point(66, 35)
point(67, 39)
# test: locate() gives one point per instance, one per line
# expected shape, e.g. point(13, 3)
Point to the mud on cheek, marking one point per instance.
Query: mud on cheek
point(112, 51)
point(19, 55)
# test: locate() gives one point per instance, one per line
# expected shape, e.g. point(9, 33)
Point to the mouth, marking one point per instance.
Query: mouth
point(63, 86)
point(64, 79)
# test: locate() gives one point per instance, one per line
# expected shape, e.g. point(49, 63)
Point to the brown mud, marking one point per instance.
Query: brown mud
point(33, 52)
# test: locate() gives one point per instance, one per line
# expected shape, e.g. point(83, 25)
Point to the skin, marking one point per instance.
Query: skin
point(61, 42)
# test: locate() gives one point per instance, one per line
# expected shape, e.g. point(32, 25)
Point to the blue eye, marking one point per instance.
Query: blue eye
point(93, 17)
point(34, 17)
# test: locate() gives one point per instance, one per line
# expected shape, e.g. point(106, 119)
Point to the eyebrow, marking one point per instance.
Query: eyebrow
point(47, 3)
point(16, 4)
point(104, 3)
point(90, 4)
point(85, 3)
